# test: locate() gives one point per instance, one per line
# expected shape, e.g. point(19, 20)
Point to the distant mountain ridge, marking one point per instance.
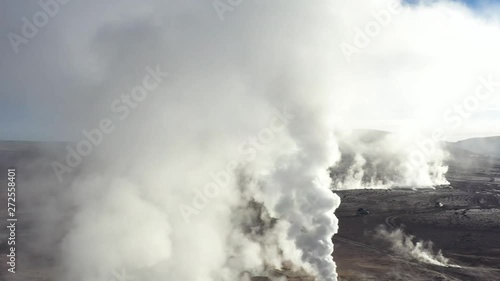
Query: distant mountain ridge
point(489, 146)
point(484, 146)
point(12, 151)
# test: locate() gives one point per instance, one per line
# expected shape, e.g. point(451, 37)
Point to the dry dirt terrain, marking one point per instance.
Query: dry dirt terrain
point(462, 220)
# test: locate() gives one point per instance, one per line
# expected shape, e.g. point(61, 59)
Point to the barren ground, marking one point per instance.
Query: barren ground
point(466, 228)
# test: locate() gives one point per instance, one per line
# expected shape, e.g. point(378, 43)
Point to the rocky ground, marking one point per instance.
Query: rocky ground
point(462, 220)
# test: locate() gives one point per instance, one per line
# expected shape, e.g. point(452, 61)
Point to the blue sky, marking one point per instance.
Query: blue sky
point(478, 3)
point(470, 3)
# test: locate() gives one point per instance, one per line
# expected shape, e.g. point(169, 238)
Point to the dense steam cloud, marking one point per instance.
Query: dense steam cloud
point(404, 245)
point(376, 159)
point(203, 141)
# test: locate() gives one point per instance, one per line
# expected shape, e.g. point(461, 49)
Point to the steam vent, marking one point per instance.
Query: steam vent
point(277, 274)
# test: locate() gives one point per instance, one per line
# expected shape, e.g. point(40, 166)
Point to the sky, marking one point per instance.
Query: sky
point(480, 3)
point(475, 4)
point(53, 87)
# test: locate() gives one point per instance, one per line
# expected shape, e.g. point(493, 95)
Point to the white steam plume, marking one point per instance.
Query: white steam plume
point(376, 159)
point(143, 199)
point(404, 245)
